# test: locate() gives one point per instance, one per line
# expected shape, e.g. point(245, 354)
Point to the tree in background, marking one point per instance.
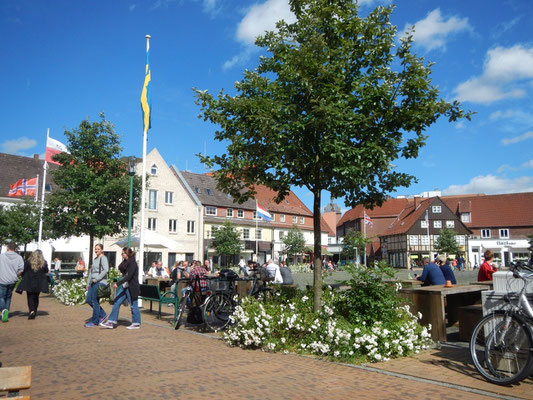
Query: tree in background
point(227, 240)
point(335, 100)
point(353, 244)
point(446, 242)
point(92, 197)
point(294, 242)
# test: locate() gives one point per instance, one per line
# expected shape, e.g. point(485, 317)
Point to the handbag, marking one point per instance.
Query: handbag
point(103, 291)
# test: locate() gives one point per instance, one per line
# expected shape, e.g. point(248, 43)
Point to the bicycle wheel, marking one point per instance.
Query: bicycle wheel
point(217, 309)
point(500, 348)
point(183, 304)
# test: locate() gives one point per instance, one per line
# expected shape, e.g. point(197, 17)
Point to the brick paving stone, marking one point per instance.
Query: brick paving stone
point(73, 362)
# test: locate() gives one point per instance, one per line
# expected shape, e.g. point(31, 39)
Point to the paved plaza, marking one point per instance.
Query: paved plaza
point(73, 362)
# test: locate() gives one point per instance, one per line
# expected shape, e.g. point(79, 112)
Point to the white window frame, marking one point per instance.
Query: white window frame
point(282, 218)
point(424, 240)
point(210, 210)
point(302, 220)
point(173, 225)
point(460, 239)
point(466, 217)
point(246, 233)
point(294, 219)
point(505, 232)
point(191, 227)
point(153, 170)
point(229, 212)
point(240, 213)
point(169, 197)
point(259, 234)
point(486, 234)
point(152, 224)
point(413, 240)
point(437, 223)
point(450, 224)
point(152, 199)
point(423, 224)
point(436, 209)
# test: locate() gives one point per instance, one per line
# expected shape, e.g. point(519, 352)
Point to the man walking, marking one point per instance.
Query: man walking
point(11, 267)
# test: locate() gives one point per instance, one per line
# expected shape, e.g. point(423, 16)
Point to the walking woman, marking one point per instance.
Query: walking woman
point(96, 277)
point(34, 281)
point(129, 290)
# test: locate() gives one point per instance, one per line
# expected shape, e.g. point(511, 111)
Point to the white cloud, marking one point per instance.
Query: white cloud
point(209, 6)
point(527, 164)
point(263, 17)
point(518, 139)
point(433, 31)
point(504, 71)
point(17, 145)
point(501, 114)
point(490, 184)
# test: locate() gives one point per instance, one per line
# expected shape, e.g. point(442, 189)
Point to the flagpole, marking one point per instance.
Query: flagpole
point(45, 168)
point(256, 226)
point(364, 235)
point(143, 191)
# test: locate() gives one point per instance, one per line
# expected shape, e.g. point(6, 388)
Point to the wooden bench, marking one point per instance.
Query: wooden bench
point(152, 293)
point(469, 316)
point(13, 379)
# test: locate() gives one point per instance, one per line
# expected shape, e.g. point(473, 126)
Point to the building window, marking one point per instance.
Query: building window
point(437, 224)
point(485, 233)
point(465, 217)
point(190, 227)
point(152, 224)
point(246, 233)
point(423, 224)
point(330, 240)
point(424, 240)
point(302, 220)
point(282, 235)
point(197, 190)
point(413, 240)
point(152, 199)
point(240, 213)
point(209, 210)
point(436, 209)
point(282, 218)
point(229, 212)
point(169, 197)
point(460, 239)
point(504, 233)
point(172, 225)
point(209, 192)
point(254, 215)
point(450, 224)
point(153, 170)
point(294, 220)
point(259, 234)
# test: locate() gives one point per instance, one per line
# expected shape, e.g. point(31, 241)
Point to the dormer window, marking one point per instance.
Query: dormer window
point(153, 170)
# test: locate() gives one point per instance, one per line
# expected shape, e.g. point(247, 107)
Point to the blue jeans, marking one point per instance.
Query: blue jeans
point(5, 295)
point(92, 300)
point(123, 294)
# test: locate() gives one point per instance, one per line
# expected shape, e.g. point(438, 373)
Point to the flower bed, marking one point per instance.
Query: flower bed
point(287, 323)
point(73, 291)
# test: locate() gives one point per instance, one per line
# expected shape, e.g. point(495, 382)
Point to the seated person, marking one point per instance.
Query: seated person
point(486, 270)
point(273, 271)
point(207, 266)
point(431, 274)
point(158, 271)
point(446, 269)
point(197, 273)
point(80, 266)
point(286, 274)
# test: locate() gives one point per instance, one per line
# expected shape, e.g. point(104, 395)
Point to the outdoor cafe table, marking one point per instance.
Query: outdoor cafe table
point(163, 283)
point(439, 305)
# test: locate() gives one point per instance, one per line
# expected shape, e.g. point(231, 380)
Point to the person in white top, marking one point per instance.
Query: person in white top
point(273, 271)
point(158, 271)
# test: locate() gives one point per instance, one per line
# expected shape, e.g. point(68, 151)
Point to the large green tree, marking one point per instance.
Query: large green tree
point(446, 242)
point(294, 242)
point(227, 240)
point(92, 197)
point(20, 223)
point(354, 243)
point(333, 102)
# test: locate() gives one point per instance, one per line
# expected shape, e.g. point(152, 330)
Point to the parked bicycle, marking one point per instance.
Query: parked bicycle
point(501, 346)
point(191, 300)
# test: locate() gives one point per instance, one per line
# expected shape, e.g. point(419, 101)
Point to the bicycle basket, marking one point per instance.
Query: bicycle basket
point(217, 285)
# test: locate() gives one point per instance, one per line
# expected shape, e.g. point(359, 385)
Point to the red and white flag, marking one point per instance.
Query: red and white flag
point(54, 147)
point(368, 220)
point(23, 187)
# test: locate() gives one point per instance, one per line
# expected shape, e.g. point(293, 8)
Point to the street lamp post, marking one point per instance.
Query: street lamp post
point(131, 170)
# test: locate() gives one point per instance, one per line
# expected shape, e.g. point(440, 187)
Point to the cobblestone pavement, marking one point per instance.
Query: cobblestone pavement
point(73, 362)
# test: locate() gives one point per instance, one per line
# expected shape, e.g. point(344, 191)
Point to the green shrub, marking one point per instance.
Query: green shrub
point(73, 291)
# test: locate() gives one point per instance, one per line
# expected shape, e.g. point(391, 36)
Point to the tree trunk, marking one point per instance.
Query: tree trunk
point(317, 272)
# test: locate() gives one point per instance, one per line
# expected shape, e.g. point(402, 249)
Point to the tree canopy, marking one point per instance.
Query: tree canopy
point(294, 242)
point(446, 242)
point(92, 197)
point(227, 240)
point(332, 104)
point(354, 243)
point(20, 223)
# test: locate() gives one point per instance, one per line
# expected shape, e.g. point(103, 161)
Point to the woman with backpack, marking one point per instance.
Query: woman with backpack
point(129, 290)
point(34, 281)
point(97, 277)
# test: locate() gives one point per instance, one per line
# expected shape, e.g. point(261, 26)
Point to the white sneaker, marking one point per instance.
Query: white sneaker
point(134, 326)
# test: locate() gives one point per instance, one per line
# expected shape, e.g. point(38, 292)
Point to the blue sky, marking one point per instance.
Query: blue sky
point(66, 60)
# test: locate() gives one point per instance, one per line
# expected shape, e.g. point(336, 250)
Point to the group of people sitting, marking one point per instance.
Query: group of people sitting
point(437, 272)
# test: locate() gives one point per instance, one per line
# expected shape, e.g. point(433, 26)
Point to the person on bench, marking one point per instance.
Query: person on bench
point(158, 271)
point(431, 274)
point(286, 274)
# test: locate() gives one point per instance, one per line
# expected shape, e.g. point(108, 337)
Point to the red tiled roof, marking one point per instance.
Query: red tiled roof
point(390, 208)
point(408, 216)
point(498, 210)
point(290, 205)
